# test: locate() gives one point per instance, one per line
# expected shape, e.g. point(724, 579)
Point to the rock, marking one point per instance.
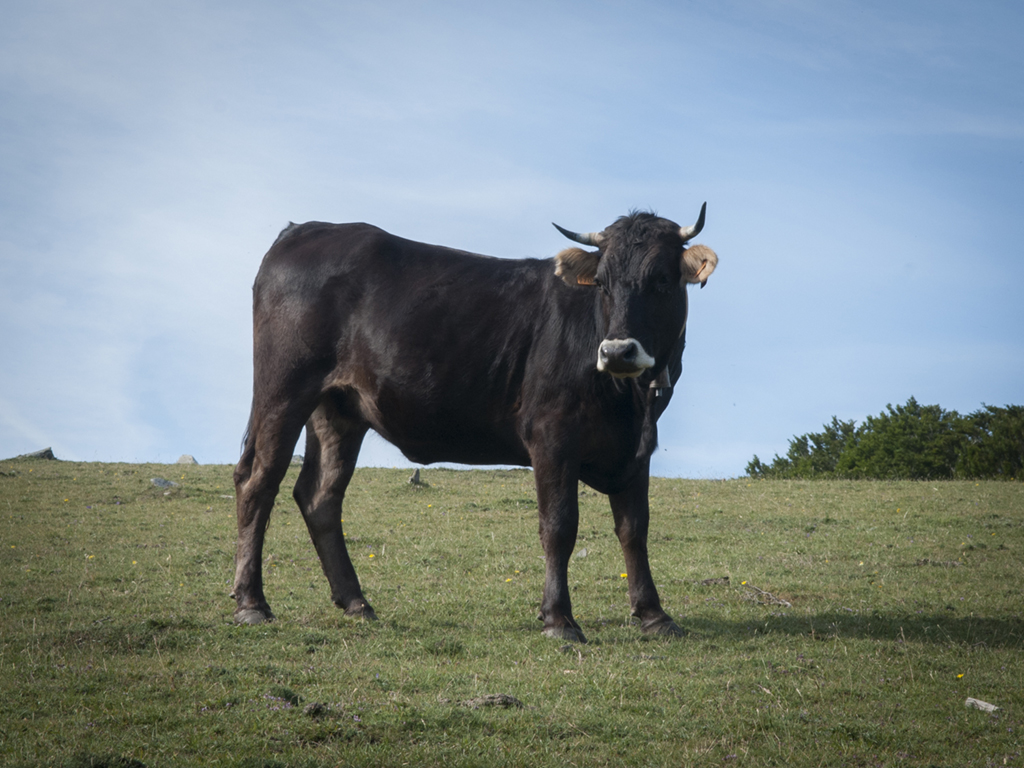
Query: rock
point(159, 482)
point(46, 453)
point(493, 700)
point(720, 581)
point(315, 709)
point(582, 553)
point(415, 479)
point(284, 694)
point(298, 458)
point(186, 458)
point(984, 706)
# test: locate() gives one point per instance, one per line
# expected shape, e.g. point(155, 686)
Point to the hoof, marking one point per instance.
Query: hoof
point(665, 628)
point(252, 616)
point(361, 611)
point(569, 634)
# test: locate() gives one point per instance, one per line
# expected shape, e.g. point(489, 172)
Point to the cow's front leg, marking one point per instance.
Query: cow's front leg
point(559, 520)
point(631, 510)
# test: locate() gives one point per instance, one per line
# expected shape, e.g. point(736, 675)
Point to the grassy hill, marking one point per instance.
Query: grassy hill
point(831, 622)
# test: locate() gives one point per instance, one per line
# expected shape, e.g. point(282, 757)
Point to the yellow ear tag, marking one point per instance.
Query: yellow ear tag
point(580, 280)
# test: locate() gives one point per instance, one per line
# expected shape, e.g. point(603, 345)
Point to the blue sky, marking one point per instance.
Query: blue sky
point(863, 165)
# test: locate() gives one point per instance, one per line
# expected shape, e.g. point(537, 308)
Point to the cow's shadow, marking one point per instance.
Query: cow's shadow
point(938, 628)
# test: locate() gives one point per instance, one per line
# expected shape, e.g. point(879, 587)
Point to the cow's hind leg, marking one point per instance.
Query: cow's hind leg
point(332, 446)
point(273, 432)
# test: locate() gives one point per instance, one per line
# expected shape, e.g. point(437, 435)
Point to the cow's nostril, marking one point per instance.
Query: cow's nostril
point(629, 353)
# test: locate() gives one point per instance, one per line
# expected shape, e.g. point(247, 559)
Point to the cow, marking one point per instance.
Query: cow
point(561, 364)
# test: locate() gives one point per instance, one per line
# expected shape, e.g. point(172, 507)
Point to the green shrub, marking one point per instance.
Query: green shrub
point(908, 442)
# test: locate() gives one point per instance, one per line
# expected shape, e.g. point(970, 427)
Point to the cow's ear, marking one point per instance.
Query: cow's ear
point(576, 266)
point(697, 264)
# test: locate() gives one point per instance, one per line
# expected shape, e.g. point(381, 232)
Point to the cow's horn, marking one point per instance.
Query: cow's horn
point(688, 233)
point(590, 238)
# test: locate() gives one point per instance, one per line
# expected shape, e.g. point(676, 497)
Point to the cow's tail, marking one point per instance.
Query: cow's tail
point(247, 449)
point(245, 439)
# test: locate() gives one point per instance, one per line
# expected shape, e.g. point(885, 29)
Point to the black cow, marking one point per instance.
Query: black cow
point(561, 364)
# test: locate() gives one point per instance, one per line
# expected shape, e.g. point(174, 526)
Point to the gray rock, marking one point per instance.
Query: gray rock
point(186, 458)
point(315, 709)
point(493, 700)
point(46, 453)
point(159, 482)
point(984, 706)
point(719, 581)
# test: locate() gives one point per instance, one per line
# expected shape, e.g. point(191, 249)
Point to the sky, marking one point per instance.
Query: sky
point(862, 163)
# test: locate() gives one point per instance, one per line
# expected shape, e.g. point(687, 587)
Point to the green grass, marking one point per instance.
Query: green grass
point(117, 647)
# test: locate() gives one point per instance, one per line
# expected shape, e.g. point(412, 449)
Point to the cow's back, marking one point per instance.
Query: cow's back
point(436, 348)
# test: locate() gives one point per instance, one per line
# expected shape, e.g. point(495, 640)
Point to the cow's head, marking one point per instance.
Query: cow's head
point(641, 267)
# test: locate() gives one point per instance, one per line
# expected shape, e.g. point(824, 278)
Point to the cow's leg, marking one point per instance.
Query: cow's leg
point(332, 445)
point(273, 432)
point(557, 502)
point(631, 511)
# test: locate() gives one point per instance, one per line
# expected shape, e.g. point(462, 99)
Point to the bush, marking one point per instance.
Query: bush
point(911, 442)
point(995, 444)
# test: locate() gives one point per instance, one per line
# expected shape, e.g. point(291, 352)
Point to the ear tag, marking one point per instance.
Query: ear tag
point(581, 280)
